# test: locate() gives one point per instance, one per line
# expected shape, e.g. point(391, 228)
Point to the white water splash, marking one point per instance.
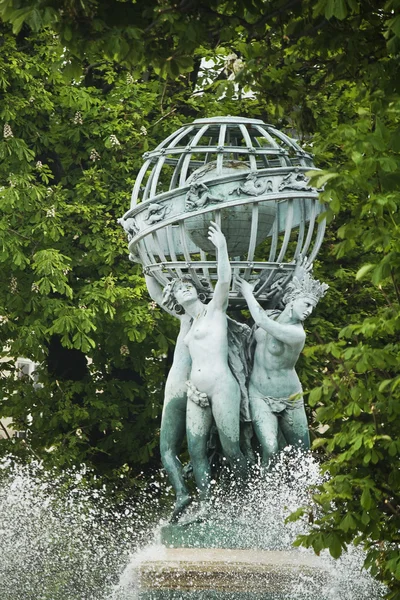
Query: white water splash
point(260, 516)
point(62, 540)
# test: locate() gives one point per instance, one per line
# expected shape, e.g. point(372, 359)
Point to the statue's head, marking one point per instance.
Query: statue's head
point(182, 290)
point(252, 176)
point(303, 295)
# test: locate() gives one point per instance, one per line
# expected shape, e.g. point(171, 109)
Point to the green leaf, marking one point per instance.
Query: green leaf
point(384, 384)
point(340, 10)
point(173, 68)
point(335, 546)
point(365, 518)
point(295, 516)
point(318, 442)
point(330, 8)
point(367, 459)
point(348, 523)
point(366, 499)
point(19, 17)
point(364, 270)
point(315, 396)
point(357, 442)
point(67, 33)
point(184, 62)
point(394, 25)
point(319, 179)
point(393, 449)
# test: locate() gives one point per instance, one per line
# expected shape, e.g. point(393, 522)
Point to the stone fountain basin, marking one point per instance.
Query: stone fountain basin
point(273, 574)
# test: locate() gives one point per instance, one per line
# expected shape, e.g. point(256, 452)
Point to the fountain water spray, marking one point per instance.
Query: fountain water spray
point(260, 514)
point(60, 538)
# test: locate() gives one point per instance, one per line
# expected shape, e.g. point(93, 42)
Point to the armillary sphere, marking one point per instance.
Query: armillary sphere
point(247, 176)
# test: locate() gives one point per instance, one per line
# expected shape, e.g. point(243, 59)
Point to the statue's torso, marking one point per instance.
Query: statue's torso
point(208, 347)
point(273, 372)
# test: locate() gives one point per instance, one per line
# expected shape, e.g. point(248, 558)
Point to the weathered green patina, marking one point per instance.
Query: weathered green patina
point(203, 202)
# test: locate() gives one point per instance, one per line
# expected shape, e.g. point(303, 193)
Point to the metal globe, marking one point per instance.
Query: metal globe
point(244, 174)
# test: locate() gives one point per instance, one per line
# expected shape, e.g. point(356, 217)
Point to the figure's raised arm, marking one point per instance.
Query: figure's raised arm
point(154, 288)
point(224, 271)
point(288, 334)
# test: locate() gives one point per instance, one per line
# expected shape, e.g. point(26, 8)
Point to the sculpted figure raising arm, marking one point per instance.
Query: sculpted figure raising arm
point(213, 392)
point(275, 390)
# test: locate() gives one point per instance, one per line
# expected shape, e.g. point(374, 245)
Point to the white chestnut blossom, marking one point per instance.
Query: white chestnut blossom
point(7, 131)
point(94, 155)
point(233, 65)
point(13, 285)
point(114, 140)
point(51, 212)
point(78, 118)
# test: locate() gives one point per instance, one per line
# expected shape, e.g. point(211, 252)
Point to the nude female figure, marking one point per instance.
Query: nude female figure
point(275, 391)
point(173, 419)
point(213, 392)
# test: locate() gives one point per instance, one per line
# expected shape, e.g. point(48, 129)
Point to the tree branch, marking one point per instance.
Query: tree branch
point(5, 430)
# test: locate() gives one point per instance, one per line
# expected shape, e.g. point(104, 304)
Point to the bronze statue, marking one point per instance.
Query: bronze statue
point(275, 391)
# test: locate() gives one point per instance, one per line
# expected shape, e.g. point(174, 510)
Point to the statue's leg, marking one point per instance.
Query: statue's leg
point(295, 427)
point(198, 425)
point(265, 424)
point(246, 436)
point(226, 412)
point(172, 432)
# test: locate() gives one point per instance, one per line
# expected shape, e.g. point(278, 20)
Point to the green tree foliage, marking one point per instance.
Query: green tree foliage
point(328, 71)
point(347, 96)
point(341, 85)
point(357, 401)
point(69, 298)
point(167, 35)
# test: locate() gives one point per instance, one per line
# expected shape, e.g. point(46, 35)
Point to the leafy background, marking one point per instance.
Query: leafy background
point(86, 88)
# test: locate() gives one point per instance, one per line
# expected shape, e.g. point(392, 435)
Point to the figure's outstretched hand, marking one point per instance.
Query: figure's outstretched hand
point(244, 286)
point(303, 266)
point(216, 236)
